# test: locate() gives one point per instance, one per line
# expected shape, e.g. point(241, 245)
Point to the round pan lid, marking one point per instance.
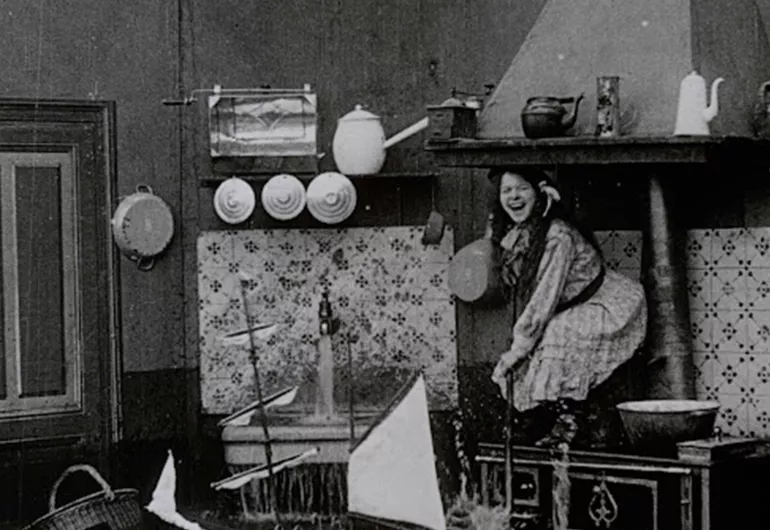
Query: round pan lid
point(331, 197)
point(283, 197)
point(234, 200)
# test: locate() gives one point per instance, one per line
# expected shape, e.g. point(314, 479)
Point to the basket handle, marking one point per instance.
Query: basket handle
point(79, 467)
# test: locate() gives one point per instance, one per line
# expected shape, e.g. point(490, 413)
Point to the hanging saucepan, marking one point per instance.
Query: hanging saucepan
point(142, 226)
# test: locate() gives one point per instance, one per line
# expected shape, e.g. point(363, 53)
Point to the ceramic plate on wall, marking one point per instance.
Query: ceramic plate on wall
point(283, 197)
point(331, 197)
point(234, 200)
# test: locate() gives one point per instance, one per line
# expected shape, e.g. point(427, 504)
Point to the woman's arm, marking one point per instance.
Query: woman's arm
point(527, 330)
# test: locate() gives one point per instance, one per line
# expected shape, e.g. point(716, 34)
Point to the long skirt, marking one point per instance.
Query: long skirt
point(583, 345)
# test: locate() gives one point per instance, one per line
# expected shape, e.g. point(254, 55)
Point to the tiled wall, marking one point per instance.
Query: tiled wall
point(729, 286)
point(385, 286)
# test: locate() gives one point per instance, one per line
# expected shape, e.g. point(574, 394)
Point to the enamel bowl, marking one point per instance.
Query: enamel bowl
point(668, 421)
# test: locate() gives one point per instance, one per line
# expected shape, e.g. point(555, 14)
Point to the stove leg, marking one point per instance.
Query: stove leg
point(705, 499)
point(686, 500)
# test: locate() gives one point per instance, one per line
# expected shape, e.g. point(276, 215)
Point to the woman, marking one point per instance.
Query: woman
point(575, 322)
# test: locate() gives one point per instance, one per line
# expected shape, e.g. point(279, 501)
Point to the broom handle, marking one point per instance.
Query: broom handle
point(509, 442)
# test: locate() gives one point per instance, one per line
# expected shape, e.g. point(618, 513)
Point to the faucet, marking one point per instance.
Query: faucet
point(325, 314)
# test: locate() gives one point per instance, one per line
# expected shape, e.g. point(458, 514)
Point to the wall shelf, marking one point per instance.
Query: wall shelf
point(215, 180)
point(590, 150)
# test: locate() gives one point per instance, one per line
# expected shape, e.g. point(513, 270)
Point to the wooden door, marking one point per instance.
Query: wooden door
point(58, 345)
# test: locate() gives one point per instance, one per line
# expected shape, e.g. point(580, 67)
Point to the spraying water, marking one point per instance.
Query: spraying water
point(561, 488)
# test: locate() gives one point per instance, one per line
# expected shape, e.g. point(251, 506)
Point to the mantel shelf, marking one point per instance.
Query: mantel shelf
point(590, 150)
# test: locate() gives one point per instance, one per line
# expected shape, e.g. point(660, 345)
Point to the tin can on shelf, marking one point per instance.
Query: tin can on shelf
point(607, 106)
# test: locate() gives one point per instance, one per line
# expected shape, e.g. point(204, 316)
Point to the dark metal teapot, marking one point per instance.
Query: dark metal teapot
point(547, 117)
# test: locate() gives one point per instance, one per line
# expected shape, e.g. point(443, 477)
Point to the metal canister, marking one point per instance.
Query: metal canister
point(607, 106)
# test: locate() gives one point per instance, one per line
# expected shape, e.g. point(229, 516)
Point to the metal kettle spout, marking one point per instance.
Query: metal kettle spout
point(569, 120)
point(710, 112)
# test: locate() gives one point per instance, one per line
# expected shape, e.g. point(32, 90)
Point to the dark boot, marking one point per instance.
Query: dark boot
point(565, 425)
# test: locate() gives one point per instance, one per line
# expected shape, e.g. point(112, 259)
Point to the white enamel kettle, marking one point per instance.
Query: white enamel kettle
point(694, 113)
point(359, 145)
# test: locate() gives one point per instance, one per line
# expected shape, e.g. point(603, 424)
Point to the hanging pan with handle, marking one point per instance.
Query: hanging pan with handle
point(142, 226)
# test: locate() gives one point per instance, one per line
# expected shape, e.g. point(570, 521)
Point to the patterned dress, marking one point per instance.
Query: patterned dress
point(568, 353)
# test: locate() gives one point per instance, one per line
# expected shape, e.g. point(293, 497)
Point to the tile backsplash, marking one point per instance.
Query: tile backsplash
point(387, 289)
point(390, 291)
point(729, 289)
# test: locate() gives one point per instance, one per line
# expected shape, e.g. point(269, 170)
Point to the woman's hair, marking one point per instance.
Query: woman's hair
point(501, 222)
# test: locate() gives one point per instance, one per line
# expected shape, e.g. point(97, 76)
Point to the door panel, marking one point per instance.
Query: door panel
point(58, 347)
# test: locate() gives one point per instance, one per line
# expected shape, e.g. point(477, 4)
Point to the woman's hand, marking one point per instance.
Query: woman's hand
point(508, 361)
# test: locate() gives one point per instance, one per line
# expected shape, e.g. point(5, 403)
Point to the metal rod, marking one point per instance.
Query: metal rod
point(509, 443)
point(262, 412)
point(351, 396)
point(225, 92)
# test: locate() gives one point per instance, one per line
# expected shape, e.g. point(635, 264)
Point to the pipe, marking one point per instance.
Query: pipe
point(664, 275)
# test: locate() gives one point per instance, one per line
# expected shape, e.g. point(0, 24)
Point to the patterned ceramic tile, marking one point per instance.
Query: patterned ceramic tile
point(758, 332)
point(606, 240)
point(698, 249)
point(699, 289)
point(759, 375)
point(758, 247)
point(759, 416)
point(387, 290)
point(215, 251)
point(728, 289)
point(758, 288)
point(731, 374)
point(702, 325)
point(733, 417)
point(627, 249)
point(728, 248)
point(730, 331)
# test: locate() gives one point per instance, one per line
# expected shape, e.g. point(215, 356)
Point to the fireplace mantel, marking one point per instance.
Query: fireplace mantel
point(590, 150)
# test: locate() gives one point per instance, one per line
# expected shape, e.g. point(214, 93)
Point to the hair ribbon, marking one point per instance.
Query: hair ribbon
point(550, 194)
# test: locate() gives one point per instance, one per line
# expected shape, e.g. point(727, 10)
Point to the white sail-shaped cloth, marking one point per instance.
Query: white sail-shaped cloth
point(163, 503)
point(392, 471)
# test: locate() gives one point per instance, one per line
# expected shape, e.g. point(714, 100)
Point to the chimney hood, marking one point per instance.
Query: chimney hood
point(651, 45)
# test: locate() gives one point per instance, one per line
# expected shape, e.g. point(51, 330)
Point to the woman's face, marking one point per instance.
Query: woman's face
point(517, 197)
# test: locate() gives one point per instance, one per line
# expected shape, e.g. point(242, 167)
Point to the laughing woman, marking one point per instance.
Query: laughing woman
point(575, 322)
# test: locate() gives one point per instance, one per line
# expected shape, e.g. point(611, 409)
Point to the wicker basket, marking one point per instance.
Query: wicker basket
point(117, 510)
